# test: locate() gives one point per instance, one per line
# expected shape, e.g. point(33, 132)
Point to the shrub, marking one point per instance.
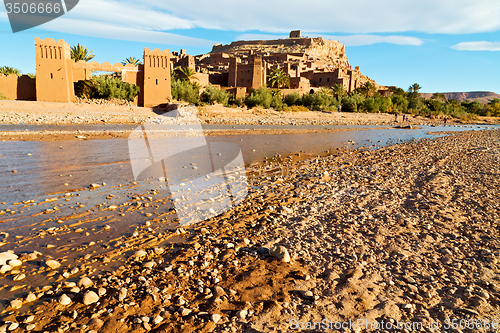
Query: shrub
point(293, 99)
point(265, 98)
point(112, 87)
point(86, 89)
point(319, 101)
point(213, 95)
point(185, 91)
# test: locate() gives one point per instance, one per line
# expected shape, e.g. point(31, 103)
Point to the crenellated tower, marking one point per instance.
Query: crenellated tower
point(156, 89)
point(54, 73)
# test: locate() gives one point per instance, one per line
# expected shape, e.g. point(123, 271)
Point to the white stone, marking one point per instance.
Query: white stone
point(215, 317)
point(90, 297)
point(6, 256)
point(15, 262)
point(52, 264)
point(85, 282)
point(16, 304)
point(122, 294)
point(64, 300)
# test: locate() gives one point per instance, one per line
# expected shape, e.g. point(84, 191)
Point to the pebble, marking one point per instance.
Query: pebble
point(149, 264)
point(280, 253)
point(13, 326)
point(19, 277)
point(215, 317)
point(85, 282)
point(90, 297)
point(140, 254)
point(16, 304)
point(6, 256)
point(15, 263)
point(30, 327)
point(184, 312)
point(101, 291)
point(29, 319)
point(219, 291)
point(31, 298)
point(122, 294)
point(157, 320)
point(95, 324)
point(5, 268)
point(52, 264)
point(64, 300)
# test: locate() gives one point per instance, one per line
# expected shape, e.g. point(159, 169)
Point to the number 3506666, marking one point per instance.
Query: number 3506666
point(33, 8)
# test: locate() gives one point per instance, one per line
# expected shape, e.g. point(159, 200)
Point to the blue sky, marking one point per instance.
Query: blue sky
point(445, 45)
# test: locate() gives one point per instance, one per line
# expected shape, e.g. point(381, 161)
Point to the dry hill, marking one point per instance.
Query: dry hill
point(480, 96)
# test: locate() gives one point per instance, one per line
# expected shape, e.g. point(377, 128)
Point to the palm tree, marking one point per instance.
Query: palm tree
point(278, 79)
point(188, 73)
point(80, 52)
point(6, 70)
point(131, 60)
point(338, 90)
point(414, 88)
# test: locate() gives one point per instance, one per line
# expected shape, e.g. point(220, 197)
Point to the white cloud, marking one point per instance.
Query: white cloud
point(127, 14)
point(477, 46)
point(105, 30)
point(355, 16)
point(351, 40)
point(363, 19)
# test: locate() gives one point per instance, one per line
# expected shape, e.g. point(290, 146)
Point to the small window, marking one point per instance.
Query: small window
point(51, 76)
point(156, 81)
point(327, 79)
point(319, 79)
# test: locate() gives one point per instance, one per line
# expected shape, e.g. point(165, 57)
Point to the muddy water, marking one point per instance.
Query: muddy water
point(51, 167)
point(47, 205)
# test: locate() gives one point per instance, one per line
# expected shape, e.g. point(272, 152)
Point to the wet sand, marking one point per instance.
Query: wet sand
point(406, 233)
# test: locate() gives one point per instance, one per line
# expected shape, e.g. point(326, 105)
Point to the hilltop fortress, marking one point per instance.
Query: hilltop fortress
point(310, 63)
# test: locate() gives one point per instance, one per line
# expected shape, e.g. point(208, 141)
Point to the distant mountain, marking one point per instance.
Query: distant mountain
point(480, 96)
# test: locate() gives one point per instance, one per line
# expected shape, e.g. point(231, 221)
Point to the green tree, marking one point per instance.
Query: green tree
point(278, 79)
point(368, 89)
point(414, 88)
point(338, 90)
point(473, 107)
point(439, 96)
point(493, 108)
point(414, 98)
point(6, 70)
point(131, 60)
point(80, 52)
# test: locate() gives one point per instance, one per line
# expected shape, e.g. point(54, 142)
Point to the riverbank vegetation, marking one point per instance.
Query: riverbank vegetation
point(364, 99)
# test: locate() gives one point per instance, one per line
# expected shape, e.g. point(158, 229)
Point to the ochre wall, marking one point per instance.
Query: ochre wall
point(18, 87)
point(8, 85)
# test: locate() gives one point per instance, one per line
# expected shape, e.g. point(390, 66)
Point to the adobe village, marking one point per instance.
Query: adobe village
point(376, 234)
point(238, 68)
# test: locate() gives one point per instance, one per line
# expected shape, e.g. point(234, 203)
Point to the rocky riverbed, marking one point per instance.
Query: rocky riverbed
point(403, 234)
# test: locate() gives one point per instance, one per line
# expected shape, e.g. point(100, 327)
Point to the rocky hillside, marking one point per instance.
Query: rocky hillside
point(328, 51)
point(480, 96)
